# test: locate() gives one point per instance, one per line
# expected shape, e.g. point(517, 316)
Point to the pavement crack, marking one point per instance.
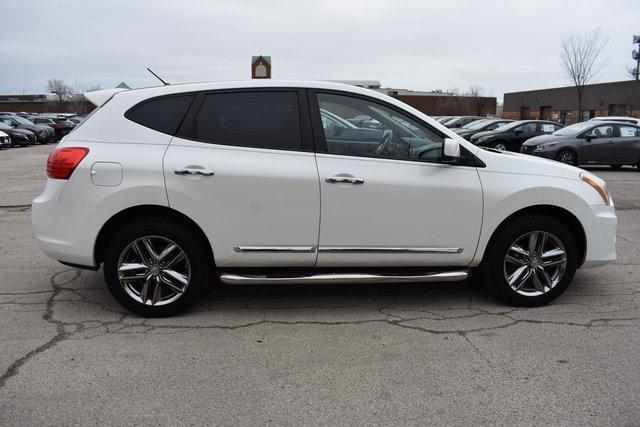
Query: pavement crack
point(61, 328)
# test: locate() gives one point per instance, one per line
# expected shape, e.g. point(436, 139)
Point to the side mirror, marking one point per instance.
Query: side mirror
point(451, 149)
point(517, 132)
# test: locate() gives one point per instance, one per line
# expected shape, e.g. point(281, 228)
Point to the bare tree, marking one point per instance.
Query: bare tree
point(478, 100)
point(580, 58)
point(631, 72)
point(61, 90)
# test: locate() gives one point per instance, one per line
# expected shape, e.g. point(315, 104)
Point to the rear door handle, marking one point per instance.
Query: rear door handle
point(344, 179)
point(194, 171)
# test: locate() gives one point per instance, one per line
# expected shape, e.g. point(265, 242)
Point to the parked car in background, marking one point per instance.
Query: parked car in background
point(61, 126)
point(44, 134)
point(458, 122)
point(511, 136)
point(22, 137)
point(590, 143)
point(5, 140)
point(624, 119)
point(442, 119)
point(166, 187)
point(480, 126)
point(76, 120)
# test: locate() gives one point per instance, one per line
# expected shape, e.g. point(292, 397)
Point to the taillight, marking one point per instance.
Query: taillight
point(63, 161)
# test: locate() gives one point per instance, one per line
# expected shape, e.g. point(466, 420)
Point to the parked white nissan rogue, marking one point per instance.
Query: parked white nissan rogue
point(273, 182)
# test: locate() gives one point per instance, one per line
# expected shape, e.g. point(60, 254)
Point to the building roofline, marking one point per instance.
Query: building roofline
point(570, 87)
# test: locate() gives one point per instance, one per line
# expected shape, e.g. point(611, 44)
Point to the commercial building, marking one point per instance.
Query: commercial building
point(561, 104)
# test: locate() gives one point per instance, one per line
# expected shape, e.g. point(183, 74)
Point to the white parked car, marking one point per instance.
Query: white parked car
point(622, 119)
point(170, 187)
point(5, 141)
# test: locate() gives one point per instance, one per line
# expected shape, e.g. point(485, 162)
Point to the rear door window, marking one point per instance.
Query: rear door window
point(266, 119)
point(629, 132)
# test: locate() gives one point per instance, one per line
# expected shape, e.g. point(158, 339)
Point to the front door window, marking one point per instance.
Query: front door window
point(357, 127)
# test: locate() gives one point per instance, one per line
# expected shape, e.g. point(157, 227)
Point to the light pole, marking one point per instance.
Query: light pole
point(636, 55)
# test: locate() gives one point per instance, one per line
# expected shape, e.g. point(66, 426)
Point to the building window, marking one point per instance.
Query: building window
point(617, 109)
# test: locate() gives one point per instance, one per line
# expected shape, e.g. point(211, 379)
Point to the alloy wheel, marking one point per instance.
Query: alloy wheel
point(535, 263)
point(500, 146)
point(154, 270)
point(568, 157)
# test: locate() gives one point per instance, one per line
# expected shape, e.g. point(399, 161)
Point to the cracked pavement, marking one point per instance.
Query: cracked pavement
point(374, 354)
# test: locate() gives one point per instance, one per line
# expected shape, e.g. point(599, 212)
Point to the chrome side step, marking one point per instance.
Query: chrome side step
point(348, 278)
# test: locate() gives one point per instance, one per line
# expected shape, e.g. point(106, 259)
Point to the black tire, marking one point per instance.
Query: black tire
point(568, 157)
point(188, 241)
point(506, 235)
point(500, 144)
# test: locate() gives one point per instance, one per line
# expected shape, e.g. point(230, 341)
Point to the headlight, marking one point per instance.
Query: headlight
point(545, 146)
point(597, 184)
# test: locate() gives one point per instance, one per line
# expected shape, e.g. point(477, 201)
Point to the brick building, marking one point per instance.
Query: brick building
point(561, 104)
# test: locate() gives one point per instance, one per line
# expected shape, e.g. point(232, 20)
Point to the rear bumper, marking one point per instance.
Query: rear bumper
point(600, 225)
point(64, 233)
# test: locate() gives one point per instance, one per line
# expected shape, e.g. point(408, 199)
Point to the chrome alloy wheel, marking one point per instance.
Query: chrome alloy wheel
point(500, 146)
point(535, 263)
point(154, 270)
point(568, 157)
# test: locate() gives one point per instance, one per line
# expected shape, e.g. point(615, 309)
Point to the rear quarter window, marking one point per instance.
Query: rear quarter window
point(163, 114)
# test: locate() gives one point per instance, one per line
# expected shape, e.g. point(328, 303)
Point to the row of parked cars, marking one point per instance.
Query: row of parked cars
point(28, 129)
point(613, 141)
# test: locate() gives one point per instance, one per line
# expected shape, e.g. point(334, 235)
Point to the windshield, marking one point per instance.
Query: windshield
point(4, 126)
point(22, 121)
point(476, 124)
point(511, 125)
point(573, 129)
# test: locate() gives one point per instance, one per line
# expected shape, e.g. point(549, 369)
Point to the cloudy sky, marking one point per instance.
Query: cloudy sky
point(502, 46)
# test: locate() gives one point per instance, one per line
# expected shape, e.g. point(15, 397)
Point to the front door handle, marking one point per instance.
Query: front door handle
point(344, 179)
point(194, 171)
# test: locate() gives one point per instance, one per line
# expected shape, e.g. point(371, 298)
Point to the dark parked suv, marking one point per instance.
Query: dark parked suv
point(594, 142)
point(61, 126)
point(511, 137)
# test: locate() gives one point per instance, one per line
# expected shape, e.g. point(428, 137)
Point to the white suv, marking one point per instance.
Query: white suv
point(249, 182)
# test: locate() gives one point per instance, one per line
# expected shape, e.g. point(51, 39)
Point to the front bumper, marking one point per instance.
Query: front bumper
point(600, 225)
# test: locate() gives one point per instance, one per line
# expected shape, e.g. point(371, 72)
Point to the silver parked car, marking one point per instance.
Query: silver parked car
point(590, 143)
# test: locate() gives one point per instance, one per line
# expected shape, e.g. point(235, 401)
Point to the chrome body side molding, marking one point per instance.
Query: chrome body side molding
point(271, 249)
point(347, 249)
point(408, 250)
point(348, 278)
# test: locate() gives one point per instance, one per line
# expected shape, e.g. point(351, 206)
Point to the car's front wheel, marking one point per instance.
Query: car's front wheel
point(567, 156)
point(531, 260)
point(156, 267)
point(500, 146)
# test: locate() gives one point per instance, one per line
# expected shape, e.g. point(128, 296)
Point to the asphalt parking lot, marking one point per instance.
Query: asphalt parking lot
point(392, 354)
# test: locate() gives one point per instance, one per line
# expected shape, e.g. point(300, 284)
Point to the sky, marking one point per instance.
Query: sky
point(501, 46)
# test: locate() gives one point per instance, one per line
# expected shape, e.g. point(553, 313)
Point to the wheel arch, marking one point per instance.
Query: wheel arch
point(556, 212)
point(567, 148)
point(120, 219)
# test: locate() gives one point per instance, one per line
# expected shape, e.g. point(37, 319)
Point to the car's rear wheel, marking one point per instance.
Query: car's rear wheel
point(567, 156)
point(156, 267)
point(531, 260)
